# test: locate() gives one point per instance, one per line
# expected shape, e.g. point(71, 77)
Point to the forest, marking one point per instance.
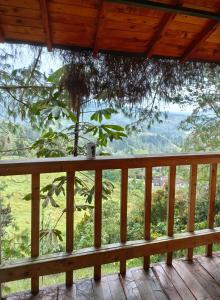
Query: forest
point(54, 110)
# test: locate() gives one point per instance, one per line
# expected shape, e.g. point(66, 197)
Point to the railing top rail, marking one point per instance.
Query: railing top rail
point(53, 165)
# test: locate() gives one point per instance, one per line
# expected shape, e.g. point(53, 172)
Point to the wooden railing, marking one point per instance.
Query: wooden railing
point(94, 257)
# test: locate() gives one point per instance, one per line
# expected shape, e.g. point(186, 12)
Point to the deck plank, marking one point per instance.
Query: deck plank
point(84, 290)
point(101, 289)
point(177, 281)
point(67, 293)
point(204, 278)
point(115, 287)
point(199, 279)
point(192, 283)
point(211, 264)
point(49, 293)
point(148, 285)
point(130, 287)
point(167, 285)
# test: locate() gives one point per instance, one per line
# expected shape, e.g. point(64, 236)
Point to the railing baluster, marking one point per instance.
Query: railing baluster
point(147, 211)
point(170, 208)
point(192, 205)
point(98, 218)
point(70, 220)
point(35, 226)
point(0, 241)
point(212, 194)
point(123, 211)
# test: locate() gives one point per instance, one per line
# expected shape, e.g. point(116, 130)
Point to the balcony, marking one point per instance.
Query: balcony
point(174, 279)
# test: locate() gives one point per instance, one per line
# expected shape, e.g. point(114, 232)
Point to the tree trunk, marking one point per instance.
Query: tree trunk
point(76, 130)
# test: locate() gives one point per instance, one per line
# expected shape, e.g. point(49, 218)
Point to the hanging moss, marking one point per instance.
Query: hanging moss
point(138, 86)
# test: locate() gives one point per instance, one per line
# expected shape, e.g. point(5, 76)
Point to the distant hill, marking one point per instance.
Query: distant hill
point(160, 138)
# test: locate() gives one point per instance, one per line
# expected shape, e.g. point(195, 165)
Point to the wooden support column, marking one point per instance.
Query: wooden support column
point(192, 205)
point(212, 195)
point(147, 210)
point(70, 220)
point(170, 208)
point(99, 28)
point(98, 219)
point(35, 226)
point(46, 25)
point(123, 211)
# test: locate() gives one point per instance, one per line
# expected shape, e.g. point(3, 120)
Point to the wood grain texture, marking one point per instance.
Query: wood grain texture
point(166, 283)
point(98, 218)
point(183, 280)
point(89, 257)
point(170, 207)
point(150, 26)
point(46, 23)
point(147, 210)
point(123, 213)
point(192, 205)
point(66, 164)
point(35, 226)
point(177, 282)
point(192, 283)
point(69, 220)
point(212, 195)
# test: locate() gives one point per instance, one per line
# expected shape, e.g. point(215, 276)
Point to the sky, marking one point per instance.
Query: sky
point(51, 62)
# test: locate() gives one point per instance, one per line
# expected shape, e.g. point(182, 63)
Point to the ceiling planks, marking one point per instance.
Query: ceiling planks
point(166, 28)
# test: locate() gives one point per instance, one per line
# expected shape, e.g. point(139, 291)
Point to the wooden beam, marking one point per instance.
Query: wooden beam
point(164, 24)
point(99, 28)
point(46, 25)
point(67, 164)
point(2, 36)
point(63, 262)
point(195, 44)
point(170, 8)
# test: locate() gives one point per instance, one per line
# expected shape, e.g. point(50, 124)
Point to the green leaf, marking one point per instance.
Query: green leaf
point(55, 77)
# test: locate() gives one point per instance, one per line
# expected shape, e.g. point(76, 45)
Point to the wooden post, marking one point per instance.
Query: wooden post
point(192, 205)
point(0, 240)
point(98, 218)
point(123, 211)
point(170, 208)
point(35, 226)
point(212, 194)
point(147, 211)
point(69, 220)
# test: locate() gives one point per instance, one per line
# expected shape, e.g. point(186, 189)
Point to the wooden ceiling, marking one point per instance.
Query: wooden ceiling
point(184, 29)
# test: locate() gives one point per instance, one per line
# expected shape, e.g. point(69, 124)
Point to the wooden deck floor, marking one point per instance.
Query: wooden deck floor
point(184, 280)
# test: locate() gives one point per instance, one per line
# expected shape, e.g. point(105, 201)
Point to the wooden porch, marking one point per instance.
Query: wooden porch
point(177, 279)
point(199, 279)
